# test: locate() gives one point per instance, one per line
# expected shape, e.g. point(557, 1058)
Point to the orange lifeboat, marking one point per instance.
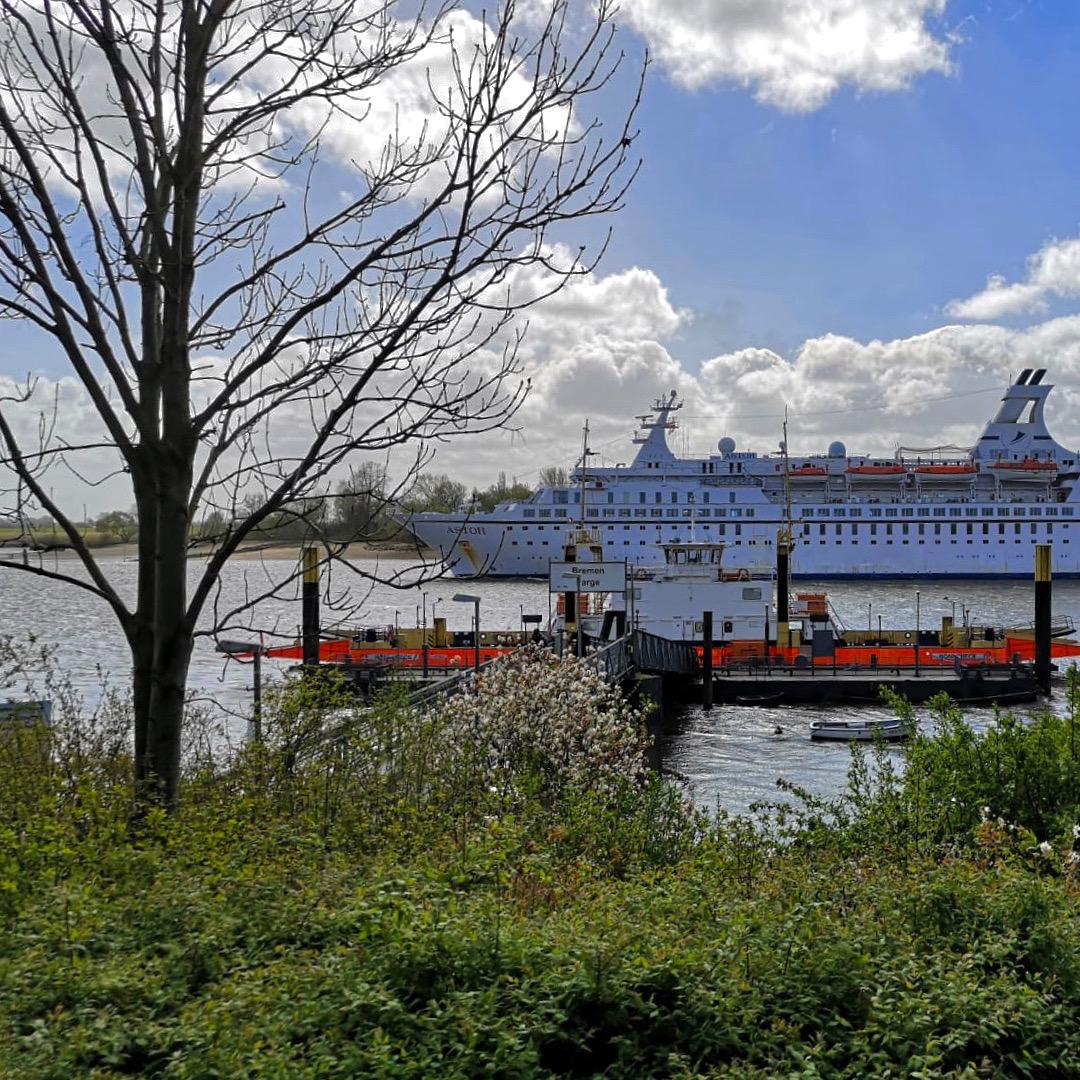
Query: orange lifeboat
point(807, 474)
point(1026, 469)
point(857, 473)
point(948, 471)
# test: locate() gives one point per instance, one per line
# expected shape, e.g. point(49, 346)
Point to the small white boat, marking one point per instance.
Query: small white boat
point(859, 730)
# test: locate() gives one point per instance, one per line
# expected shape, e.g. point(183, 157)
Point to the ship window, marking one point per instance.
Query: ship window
point(956, 512)
point(1035, 511)
point(658, 497)
point(703, 513)
point(1001, 530)
point(1066, 511)
point(890, 513)
point(838, 529)
point(545, 513)
point(823, 513)
point(674, 496)
point(656, 513)
point(888, 530)
point(1051, 511)
point(561, 498)
point(611, 496)
point(855, 513)
point(609, 513)
point(750, 512)
point(639, 513)
point(721, 529)
point(673, 513)
point(1002, 512)
point(641, 496)
point(821, 530)
point(907, 512)
point(875, 513)
point(971, 512)
point(528, 513)
point(685, 513)
point(1019, 512)
point(952, 530)
point(738, 530)
point(577, 496)
point(838, 513)
point(1016, 529)
point(705, 497)
point(736, 512)
point(751, 593)
point(731, 496)
point(937, 529)
point(560, 513)
point(985, 528)
point(873, 530)
point(806, 530)
point(1033, 528)
point(720, 511)
point(904, 529)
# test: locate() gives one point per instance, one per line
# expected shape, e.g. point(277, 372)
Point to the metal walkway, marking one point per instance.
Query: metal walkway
point(619, 660)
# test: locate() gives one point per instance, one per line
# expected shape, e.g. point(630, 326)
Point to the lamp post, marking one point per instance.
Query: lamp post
point(951, 601)
point(468, 598)
point(869, 618)
point(255, 650)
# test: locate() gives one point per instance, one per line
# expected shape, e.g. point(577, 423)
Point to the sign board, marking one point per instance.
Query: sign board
point(587, 577)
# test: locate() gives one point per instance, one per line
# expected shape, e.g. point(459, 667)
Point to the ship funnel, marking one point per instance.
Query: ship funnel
point(1037, 377)
point(1023, 377)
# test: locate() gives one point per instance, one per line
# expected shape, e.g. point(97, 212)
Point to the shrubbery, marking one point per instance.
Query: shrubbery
point(497, 889)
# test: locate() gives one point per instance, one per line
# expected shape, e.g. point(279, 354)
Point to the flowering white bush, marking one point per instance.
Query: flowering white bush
point(535, 722)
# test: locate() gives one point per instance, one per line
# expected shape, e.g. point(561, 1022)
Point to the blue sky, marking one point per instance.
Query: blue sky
point(867, 215)
point(827, 189)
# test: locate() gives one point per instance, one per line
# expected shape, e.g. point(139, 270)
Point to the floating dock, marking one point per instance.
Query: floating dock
point(795, 686)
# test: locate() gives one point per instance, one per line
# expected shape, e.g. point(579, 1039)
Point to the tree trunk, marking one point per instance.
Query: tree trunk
point(172, 642)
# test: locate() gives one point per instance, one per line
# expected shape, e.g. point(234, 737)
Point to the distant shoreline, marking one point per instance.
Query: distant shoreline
point(248, 552)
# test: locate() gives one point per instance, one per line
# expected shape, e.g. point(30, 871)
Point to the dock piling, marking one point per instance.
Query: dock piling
point(706, 660)
point(310, 607)
point(1043, 600)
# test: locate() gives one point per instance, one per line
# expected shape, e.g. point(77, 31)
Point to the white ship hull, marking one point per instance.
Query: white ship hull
point(982, 524)
point(489, 551)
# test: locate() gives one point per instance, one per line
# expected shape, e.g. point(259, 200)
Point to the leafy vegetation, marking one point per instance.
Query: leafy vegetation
point(497, 888)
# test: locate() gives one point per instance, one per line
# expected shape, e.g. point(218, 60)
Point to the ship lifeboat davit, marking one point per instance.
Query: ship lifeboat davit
point(960, 472)
point(875, 474)
point(1028, 470)
point(807, 474)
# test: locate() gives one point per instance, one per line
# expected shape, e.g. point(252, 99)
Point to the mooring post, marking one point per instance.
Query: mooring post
point(256, 691)
point(706, 659)
point(1043, 600)
point(783, 631)
point(310, 606)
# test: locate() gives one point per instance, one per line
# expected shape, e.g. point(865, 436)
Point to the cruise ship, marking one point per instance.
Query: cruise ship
point(945, 512)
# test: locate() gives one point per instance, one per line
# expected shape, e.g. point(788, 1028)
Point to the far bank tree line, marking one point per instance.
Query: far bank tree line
point(362, 507)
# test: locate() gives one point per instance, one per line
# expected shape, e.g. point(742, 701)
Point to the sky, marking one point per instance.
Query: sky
point(864, 211)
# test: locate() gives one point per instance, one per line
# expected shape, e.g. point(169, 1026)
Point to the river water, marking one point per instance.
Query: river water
point(731, 756)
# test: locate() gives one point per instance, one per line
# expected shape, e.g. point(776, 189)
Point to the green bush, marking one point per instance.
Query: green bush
point(337, 901)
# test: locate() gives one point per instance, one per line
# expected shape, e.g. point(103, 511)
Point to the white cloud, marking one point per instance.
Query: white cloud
point(605, 348)
point(1053, 271)
point(794, 53)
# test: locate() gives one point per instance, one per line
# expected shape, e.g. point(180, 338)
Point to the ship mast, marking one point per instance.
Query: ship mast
point(586, 453)
point(786, 533)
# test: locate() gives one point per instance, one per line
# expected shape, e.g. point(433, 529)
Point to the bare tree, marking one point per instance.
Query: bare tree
point(257, 262)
